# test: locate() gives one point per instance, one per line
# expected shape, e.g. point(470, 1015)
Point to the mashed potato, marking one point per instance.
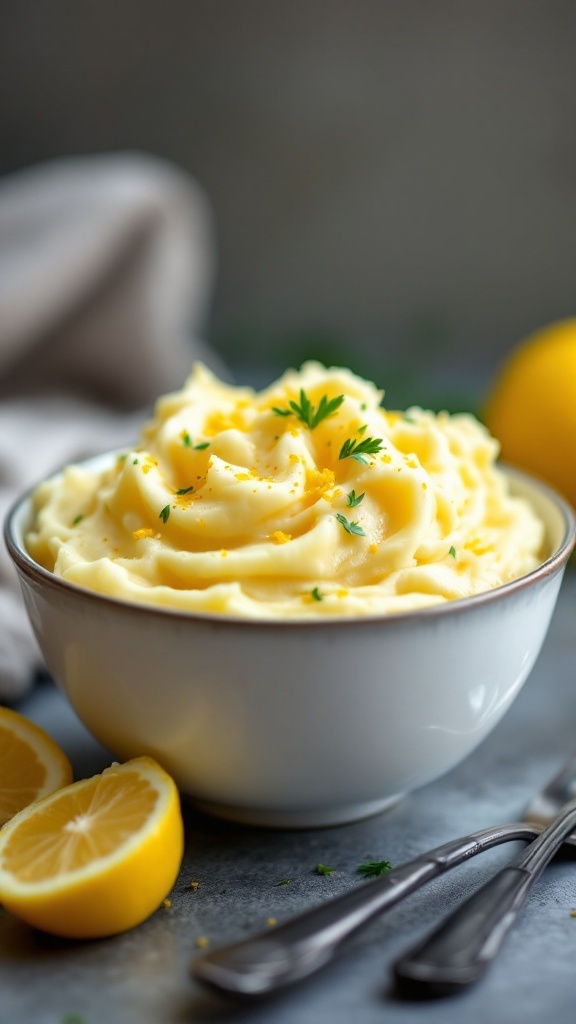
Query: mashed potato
point(306, 499)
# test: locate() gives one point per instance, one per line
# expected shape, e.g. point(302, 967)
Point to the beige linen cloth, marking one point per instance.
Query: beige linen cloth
point(106, 270)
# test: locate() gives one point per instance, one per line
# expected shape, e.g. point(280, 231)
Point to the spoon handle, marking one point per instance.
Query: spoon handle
point(293, 950)
point(460, 950)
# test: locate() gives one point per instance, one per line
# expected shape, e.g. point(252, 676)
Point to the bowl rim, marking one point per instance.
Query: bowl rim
point(555, 563)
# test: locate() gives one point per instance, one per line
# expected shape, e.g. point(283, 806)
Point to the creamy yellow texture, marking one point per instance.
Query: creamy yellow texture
point(232, 504)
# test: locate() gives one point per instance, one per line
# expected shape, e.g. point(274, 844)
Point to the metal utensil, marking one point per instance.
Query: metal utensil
point(460, 950)
point(294, 950)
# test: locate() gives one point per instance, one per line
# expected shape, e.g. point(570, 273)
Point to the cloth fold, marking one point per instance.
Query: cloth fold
point(106, 272)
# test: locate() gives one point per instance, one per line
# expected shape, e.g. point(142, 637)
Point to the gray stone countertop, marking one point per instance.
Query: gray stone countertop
point(142, 977)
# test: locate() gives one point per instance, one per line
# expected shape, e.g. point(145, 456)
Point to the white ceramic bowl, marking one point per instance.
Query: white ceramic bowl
point(295, 724)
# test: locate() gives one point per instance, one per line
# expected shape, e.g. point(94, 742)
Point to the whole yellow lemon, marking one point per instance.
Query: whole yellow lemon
point(532, 406)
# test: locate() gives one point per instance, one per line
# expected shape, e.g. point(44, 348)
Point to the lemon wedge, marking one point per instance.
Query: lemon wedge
point(96, 857)
point(31, 764)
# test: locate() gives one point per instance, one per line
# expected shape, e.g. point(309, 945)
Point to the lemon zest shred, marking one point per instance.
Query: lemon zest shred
point(146, 531)
point(279, 537)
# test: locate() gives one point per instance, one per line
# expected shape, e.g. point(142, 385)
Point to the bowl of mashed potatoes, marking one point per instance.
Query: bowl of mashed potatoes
point(302, 603)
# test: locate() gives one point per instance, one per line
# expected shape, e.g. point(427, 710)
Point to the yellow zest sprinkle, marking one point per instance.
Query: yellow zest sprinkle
point(337, 493)
point(479, 546)
point(167, 904)
point(279, 537)
point(317, 483)
point(373, 549)
point(193, 885)
point(144, 532)
point(271, 922)
point(243, 476)
point(293, 457)
point(223, 553)
point(218, 421)
point(342, 592)
point(149, 464)
point(201, 941)
point(424, 485)
point(386, 458)
point(200, 522)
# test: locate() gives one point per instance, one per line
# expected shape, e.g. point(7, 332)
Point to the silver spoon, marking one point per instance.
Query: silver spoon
point(292, 951)
point(459, 951)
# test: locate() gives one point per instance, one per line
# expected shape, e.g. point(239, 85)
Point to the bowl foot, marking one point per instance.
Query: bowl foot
point(298, 818)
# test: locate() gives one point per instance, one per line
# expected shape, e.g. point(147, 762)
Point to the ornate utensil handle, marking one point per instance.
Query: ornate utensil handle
point(291, 951)
point(465, 944)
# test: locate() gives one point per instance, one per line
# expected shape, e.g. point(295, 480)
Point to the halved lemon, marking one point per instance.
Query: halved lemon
point(31, 764)
point(97, 857)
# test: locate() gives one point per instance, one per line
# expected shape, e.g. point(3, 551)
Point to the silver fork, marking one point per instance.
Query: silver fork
point(292, 951)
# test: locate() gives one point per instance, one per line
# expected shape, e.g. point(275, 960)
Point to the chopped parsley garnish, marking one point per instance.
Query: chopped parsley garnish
point(187, 442)
point(134, 462)
point(283, 881)
point(352, 449)
point(324, 869)
point(353, 501)
point(165, 514)
point(317, 596)
point(373, 868)
point(184, 490)
point(307, 413)
point(354, 528)
point(77, 519)
point(452, 551)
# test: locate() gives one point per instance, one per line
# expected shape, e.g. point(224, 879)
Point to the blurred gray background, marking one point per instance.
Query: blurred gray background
point(394, 183)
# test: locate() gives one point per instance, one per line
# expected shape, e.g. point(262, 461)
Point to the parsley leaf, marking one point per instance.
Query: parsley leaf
point(165, 513)
point(324, 869)
point(77, 519)
point(352, 449)
point(307, 413)
point(452, 551)
point(283, 881)
point(353, 500)
point(316, 594)
point(350, 527)
point(187, 442)
point(373, 868)
point(185, 490)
